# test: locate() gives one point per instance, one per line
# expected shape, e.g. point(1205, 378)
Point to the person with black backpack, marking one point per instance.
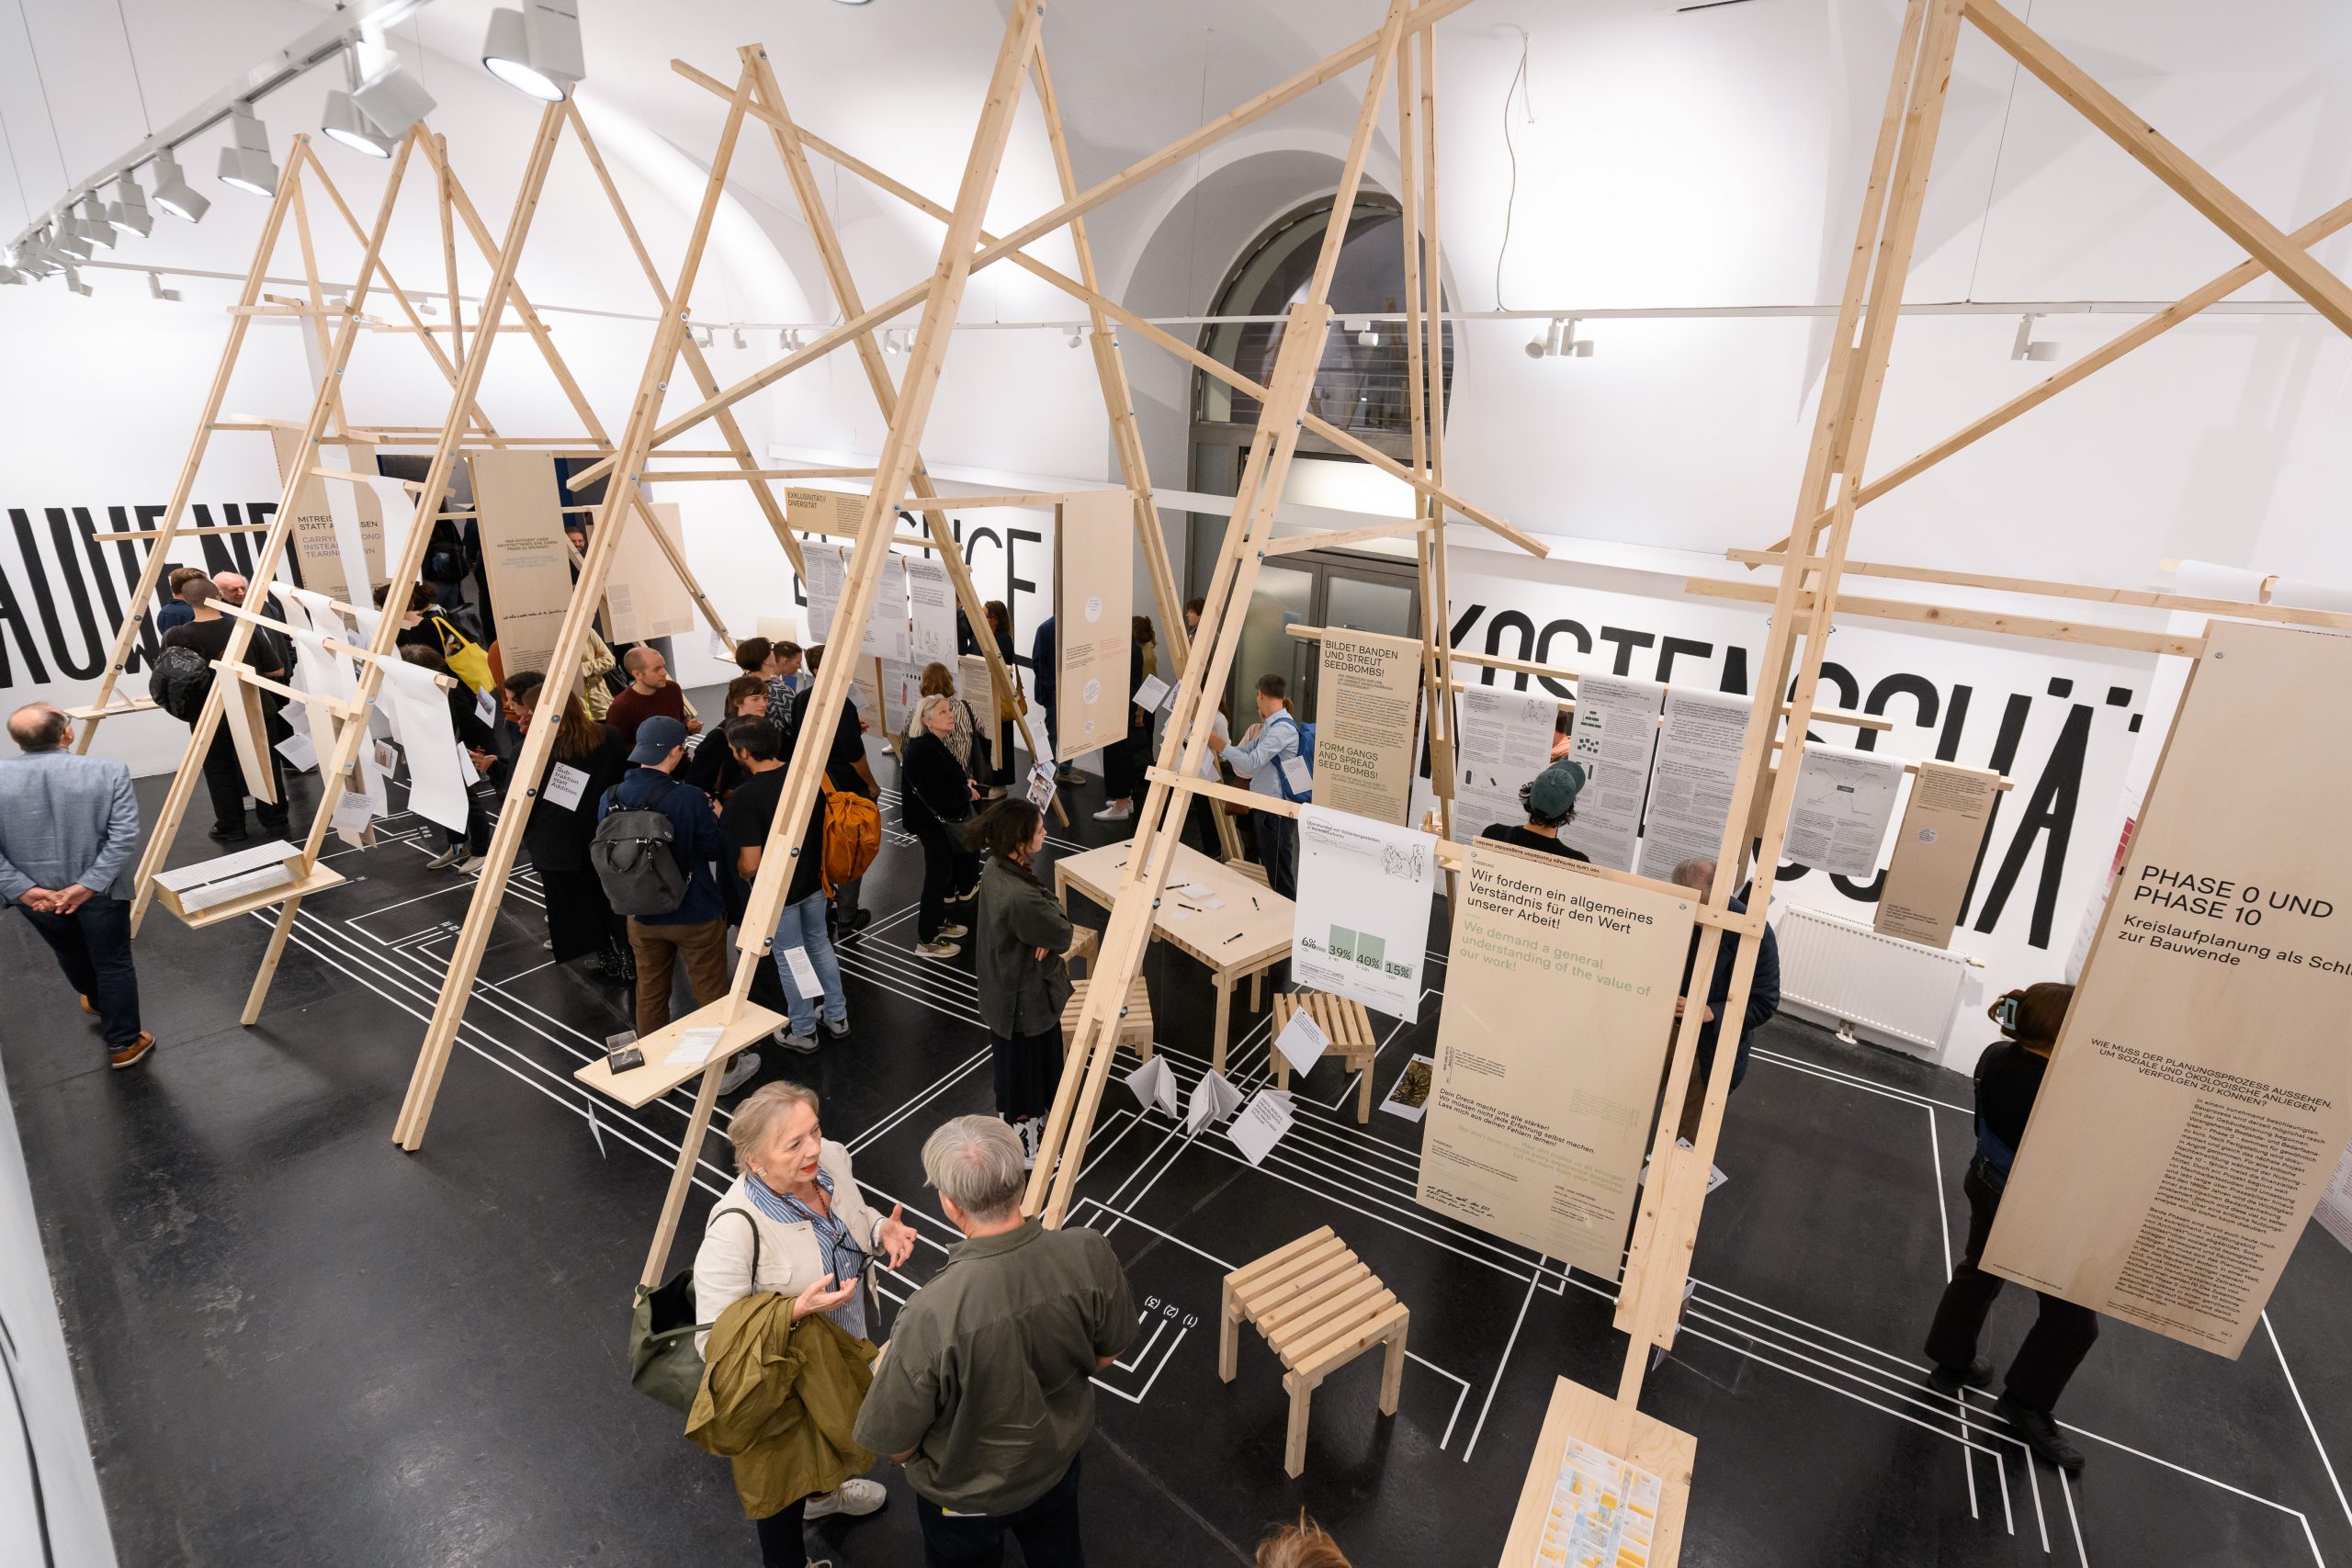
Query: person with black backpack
point(180, 685)
point(655, 840)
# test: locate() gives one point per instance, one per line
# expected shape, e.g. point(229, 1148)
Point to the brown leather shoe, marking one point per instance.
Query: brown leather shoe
point(89, 1006)
point(130, 1055)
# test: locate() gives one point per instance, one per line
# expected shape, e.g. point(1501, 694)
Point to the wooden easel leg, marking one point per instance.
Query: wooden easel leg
point(268, 971)
point(1222, 988)
point(1228, 1337)
point(1363, 1093)
point(1294, 1435)
point(682, 1175)
point(1392, 1369)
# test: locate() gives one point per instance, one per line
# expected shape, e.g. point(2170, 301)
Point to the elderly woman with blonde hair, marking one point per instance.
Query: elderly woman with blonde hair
point(793, 1222)
point(935, 796)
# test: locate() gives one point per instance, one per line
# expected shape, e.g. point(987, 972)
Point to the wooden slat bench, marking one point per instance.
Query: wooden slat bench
point(1133, 1030)
point(1320, 1307)
point(1347, 1024)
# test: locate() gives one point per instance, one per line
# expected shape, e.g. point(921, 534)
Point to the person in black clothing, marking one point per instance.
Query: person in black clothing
point(1763, 995)
point(1125, 760)
point(999, 764)
point(846, 768)
point(935, 797)
point(581, 922)
point(1550, 799)
point(713, 768)
point(2009, 1076)
point(207, 632)
point(800, 918)
point(461, 850)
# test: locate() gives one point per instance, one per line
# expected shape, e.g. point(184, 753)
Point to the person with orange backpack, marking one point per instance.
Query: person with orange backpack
point(853, 821)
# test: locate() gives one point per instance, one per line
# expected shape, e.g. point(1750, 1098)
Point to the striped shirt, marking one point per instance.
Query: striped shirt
point(844, 1258)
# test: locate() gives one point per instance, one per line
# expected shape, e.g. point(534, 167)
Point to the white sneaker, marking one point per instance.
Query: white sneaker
point(1117, 813)
point(804, 1043)
point(838, 1030)
point(953, 931)
point(445, 859)
point(854, 1498)
point(1032, 1133)
point(741, 1071)
point(942, 949)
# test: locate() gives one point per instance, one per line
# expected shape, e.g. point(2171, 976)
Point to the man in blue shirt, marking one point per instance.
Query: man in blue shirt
point(1259, 757)
point(69, 842)
point(696, 929)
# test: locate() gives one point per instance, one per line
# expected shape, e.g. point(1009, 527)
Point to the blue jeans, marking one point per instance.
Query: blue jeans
point(802, 925)
point(1278, 849)
point(92, 946)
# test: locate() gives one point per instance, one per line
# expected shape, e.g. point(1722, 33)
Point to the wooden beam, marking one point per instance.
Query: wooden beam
point(1996, 621)
point(2222, 207)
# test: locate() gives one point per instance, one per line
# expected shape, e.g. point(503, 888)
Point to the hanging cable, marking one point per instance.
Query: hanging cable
point(1510, 202)
point(131, 54)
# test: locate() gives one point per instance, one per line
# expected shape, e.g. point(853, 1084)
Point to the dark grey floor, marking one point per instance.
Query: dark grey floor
point(297, 1346)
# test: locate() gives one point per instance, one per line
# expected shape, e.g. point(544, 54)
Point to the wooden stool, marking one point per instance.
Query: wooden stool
point(1350, 1029)
point(1082, 947)
point(1133, 1030)
point(1320, 1308)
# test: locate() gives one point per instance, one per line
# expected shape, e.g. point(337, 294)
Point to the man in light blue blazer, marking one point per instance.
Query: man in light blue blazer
point(69, 849)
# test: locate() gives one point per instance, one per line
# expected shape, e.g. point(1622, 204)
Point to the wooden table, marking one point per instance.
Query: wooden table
point(1578, 1412)
point(1249, 935)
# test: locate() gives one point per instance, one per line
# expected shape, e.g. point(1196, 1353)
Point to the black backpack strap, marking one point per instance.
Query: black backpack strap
point(754, 1276)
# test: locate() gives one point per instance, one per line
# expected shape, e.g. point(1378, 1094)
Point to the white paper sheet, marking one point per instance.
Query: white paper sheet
point(693, 1047)
point(821, 583)
point(1616, 730)
point(1364, 909)
point(300, 755)
point(565, 784)
point(1213, 1099)
point(804, 974)
point(885, 628)
point(1300, 778)
point(437, 785)
point(1844, 802)
point(1152, 695)
point(1153, 1086)
point(1697, 761)
point(2204, 580)
point(1504, 740)
point(1261, 1126)
point(931, 607)
point(1303, 1042)
point(466, 770)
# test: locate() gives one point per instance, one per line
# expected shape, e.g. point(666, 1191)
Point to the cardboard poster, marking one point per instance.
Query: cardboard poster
point(931, 605)
point(1935, 853)
point(1698, 762)
point(1363, 928)
point(643, 598)
point(1616, 732)
point(974, 685)
point(523, 550)
point(1094, 603)
point(1365, 713)
point(317, 550)
point(1844, 801)
point(900, 684)
point(1503, 740)
point(825, 512)
point(1559, 999)
point(2201, 1095)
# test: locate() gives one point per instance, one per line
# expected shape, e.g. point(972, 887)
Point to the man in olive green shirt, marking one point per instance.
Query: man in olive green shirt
point(986, 1391)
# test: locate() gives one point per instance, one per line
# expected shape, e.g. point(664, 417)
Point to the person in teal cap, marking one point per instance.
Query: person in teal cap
point(1551, 802)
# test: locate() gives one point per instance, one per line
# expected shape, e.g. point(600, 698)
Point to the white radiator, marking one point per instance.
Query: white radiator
point(1851, 974)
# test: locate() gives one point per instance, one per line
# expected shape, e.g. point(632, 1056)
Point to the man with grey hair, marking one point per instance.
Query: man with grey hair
point(986, 1393)
point(1763, 995)
point(69, 843)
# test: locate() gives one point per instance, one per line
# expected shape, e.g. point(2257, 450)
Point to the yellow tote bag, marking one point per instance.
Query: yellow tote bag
point(465, 659)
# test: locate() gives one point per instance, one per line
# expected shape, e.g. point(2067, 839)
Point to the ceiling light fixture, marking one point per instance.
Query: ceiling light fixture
point(65, 239)
point(1546, 344)
point(394, 98)
point(1077, 336)
point(703, 336)
point(73, 281)
point(245, 163)
point(127, 211)
point(347, 122)
point(174, 194)
point(2025, 347)
point(536, 50)
point(736, 332)
point(156, 290)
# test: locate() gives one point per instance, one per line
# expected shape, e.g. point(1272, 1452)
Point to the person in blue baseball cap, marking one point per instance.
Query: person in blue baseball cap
point(1551, 802)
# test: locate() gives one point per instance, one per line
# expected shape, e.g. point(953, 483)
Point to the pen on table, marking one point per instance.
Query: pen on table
point(1234, 938)
point(1253, 900)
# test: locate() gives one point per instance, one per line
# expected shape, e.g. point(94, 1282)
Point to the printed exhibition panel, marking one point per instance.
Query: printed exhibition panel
point(2201, 1094)
point(1094, 599)
point(1935, 853)
point(1614, 734)
point(1560, 989)
point(1363, 927)
point(1365, 707)
point(524, 552)
point(319, 510)
point(1502, 740)
point(643, 598)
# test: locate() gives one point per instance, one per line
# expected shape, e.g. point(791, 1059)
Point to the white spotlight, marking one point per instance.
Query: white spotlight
point(536, 50)
point(1547, 344)
point(174, 194)
point(1572, 345)
point(891, 342)
point(65, 239)
point(245, 163)
point(1077, 336)
point(392, 98)
point(73, 281)
point(2025, 347)
point(737, 333)
point(1368, 338)
point(349, 124)
point(95, 227)
point(703, 337)
point(155, 289)
point(127, 211)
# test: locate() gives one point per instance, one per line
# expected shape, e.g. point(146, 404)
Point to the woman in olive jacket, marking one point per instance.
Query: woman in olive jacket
point(1025, 984)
